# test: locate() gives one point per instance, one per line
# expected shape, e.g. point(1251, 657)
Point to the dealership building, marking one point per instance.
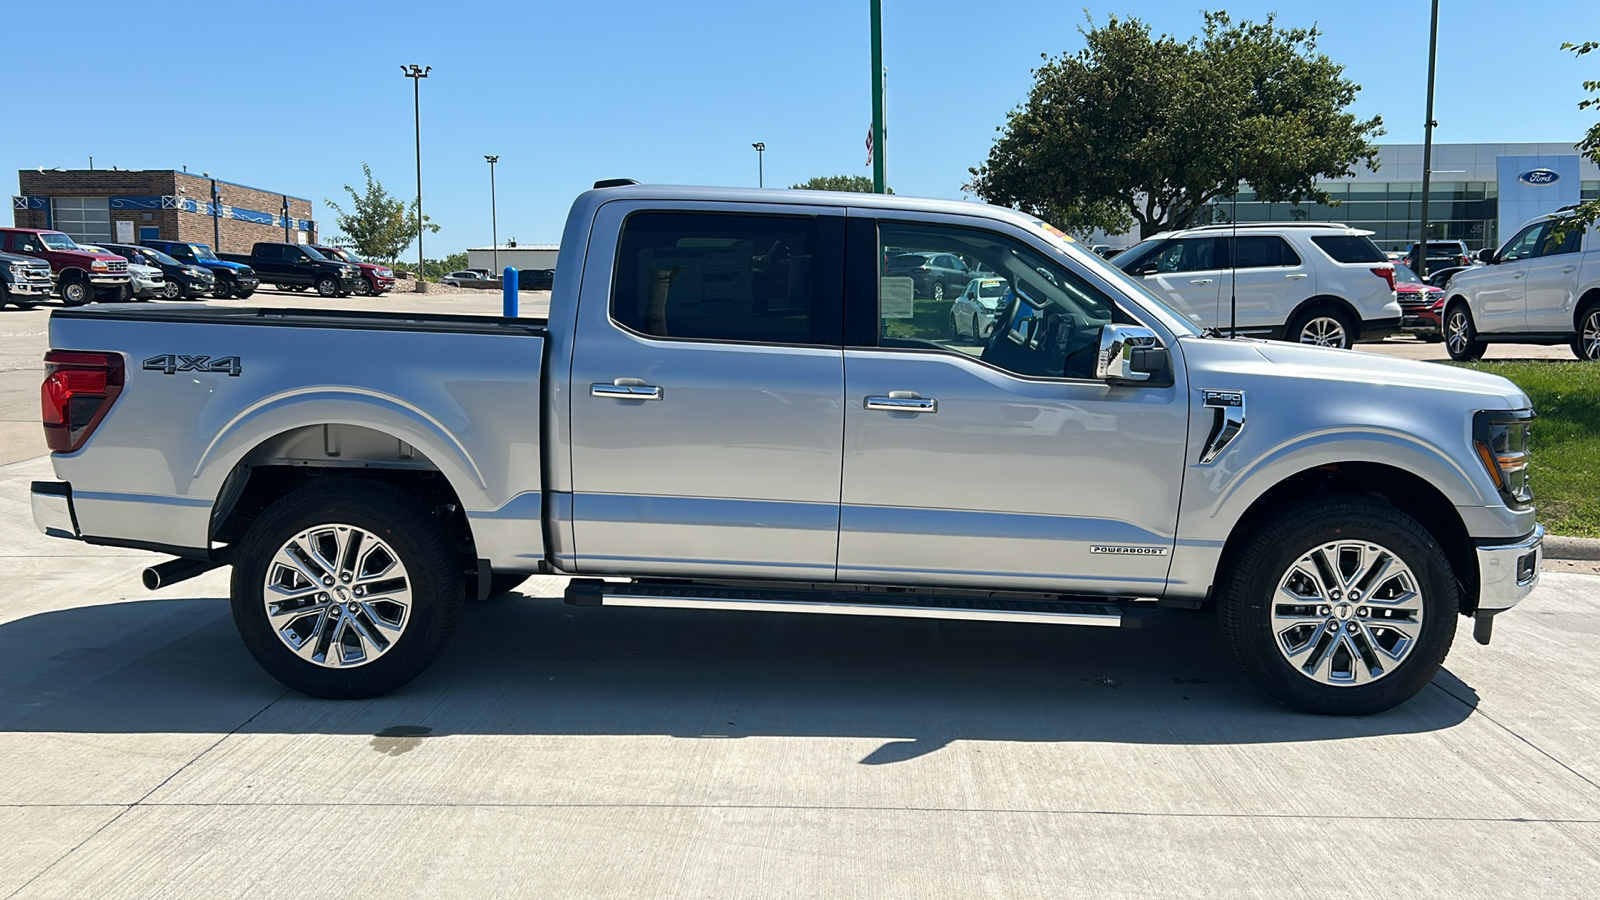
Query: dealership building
point(1478, 193)
point(126, 207)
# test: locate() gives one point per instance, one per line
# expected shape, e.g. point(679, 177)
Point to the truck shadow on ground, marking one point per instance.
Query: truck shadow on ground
point(522, 665)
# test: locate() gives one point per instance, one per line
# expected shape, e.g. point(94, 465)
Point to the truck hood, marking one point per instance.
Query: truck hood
point(1277, 359)
point(220, 264)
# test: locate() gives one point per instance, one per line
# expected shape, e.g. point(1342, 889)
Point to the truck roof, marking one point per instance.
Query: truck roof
point(837, 199)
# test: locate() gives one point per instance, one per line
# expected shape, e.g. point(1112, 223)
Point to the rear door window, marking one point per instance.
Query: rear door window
point(1262, 251)
point(1349, 248)
point(747, 278)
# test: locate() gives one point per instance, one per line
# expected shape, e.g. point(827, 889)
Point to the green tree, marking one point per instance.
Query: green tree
point(437, 268)
point(1588, 212)
point(856, 184)
point(379, 225)
point(1142, 129)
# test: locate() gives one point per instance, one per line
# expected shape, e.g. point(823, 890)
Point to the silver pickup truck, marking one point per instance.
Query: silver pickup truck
point(737, 403)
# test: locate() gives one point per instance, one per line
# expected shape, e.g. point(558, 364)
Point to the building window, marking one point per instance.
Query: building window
point(86, 219)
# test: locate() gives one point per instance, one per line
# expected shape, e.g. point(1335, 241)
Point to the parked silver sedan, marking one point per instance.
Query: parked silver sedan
point(973, 313)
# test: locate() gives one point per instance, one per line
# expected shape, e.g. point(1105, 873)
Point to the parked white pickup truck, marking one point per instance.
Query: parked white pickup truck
point(734, 405)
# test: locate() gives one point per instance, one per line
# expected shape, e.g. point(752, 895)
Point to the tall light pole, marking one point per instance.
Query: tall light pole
point(286, 219)
point(494, 215)
point(879, 151)
point(1427, 145)
point(216, 215)
point(761, 163)
point(416, 73)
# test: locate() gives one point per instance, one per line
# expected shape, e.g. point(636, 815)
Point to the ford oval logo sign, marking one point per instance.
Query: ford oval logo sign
point(1539, 177)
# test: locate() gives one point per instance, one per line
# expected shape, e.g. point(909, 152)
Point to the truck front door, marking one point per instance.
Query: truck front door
point(1003, 465)
point(707, 394)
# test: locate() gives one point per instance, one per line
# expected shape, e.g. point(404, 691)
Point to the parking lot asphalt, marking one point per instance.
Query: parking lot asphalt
point(557, 751)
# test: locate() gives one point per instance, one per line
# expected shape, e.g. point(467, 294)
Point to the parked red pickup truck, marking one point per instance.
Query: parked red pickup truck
point(378, 278)
point(81, 275)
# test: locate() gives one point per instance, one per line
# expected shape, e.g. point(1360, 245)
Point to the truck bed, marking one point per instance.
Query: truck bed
point(288, 317)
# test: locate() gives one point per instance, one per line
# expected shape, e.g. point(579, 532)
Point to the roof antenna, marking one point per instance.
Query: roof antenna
point(1233, 255)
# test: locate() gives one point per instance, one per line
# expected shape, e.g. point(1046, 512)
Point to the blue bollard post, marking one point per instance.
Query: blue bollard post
point(508, 280)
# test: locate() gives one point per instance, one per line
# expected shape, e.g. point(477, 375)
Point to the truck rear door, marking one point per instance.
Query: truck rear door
point(707, 392)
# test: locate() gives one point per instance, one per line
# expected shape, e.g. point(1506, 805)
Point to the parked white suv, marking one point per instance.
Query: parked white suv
point(1534, 290)
point(1322, 283)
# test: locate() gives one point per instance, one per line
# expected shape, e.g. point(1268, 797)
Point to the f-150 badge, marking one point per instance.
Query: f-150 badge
point(172, 363)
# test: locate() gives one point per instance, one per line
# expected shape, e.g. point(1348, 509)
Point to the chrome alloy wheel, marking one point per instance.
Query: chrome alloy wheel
point(1323, 331)
point(1455, 330)
point(1589, 339)
point(1347, 613)
point(337, 596)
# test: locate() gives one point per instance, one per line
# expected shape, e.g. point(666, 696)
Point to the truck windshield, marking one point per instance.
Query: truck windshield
point(55, 240)
point(201, 251)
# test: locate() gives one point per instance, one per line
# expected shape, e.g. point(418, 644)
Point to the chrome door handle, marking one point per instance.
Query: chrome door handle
point(902, 404)
point(1199, 281)
point(626, 391)
point(1294, 275)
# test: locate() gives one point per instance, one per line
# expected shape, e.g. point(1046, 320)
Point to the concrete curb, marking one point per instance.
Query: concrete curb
point(1558, 547)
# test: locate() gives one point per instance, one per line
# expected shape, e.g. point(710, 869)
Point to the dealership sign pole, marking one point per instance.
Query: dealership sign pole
point(1421, 261)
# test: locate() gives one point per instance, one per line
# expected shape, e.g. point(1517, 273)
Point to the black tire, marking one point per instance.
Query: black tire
point(1460, 335)
point(937, 291)
point(977, 330)
point(5, 295)
point(1323, 326)
point(243, 295)
point(1249, 596)
point(223, 289)
point(282, 287)
point(173, 290)
point(297, 288)
point(363, 289)
point(328, 286)
point(1586, 343)
point(76, 292)
point(419, 541)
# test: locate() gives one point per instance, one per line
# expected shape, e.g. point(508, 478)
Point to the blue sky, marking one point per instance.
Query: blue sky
point(289, 100)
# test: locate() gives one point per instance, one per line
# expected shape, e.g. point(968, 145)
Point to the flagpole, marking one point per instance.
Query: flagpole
point(878, 155)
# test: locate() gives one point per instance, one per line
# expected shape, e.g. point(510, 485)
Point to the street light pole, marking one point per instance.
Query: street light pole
point(216, 218)
point(416, 73)
point(494, 215)
point(761, 163)
point(286, 220)
point(1427, 145)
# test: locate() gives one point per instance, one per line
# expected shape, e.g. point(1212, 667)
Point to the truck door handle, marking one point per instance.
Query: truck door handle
point(902, 404)
point(1295, 275)
point(626, 391)
point(1518, 275)
point(1568, 270)
point(1199, 281)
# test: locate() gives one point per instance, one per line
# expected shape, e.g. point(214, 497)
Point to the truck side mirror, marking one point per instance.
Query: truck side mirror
point(1130, 354)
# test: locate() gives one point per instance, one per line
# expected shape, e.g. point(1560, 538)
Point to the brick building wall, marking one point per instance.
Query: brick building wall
point(184, 215)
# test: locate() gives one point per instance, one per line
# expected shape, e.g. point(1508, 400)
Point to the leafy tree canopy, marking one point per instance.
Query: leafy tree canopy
point(1142, 129)
point(857, 184)
point(379, 225)
point(1589, 212)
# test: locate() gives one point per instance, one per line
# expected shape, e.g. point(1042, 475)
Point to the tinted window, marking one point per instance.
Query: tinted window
point(719, 277)
point(1350, 248)
point(1046, 324)
point(268, 251)
point(1259, 251)
point(1526, 243)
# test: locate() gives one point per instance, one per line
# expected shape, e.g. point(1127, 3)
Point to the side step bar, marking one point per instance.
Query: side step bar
point(1016, 608)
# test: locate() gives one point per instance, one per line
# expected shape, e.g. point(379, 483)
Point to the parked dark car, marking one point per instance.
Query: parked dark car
point(81, 275)
point(536, 279)
point(1441, 255)
point(933, 275)
point(25, 281)
point(288, 265)
point(184, 280)
point(232, 279)
point(377, 278)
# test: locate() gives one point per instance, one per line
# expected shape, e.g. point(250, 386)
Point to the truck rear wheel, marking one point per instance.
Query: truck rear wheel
point(346, 590)
point(1339, 606)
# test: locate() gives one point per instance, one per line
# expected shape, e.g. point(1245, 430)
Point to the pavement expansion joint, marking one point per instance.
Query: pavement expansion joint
point(1476, 711)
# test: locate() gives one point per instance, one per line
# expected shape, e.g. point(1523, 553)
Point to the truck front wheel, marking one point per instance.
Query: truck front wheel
point(76, 291)
point(223, 289)
point(346, 590)
point(1338, 606)
point(328, 287)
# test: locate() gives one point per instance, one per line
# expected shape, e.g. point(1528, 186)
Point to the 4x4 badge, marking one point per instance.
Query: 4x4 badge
point(172, 363)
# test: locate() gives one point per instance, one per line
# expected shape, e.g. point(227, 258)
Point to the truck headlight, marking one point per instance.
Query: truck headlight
point(1501, 441)
point(99, 265)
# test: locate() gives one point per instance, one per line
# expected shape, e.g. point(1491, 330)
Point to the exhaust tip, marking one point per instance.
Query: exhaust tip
point(151, 578)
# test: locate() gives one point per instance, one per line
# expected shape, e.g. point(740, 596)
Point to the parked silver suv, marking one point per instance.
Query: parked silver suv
point(1324, 284)
point(1537, 289)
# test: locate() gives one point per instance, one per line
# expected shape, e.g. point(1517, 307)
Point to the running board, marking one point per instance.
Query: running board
point(1104, 613)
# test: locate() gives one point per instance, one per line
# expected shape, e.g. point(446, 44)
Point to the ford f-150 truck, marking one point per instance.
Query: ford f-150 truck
point(232, 279)
point(733, 406)
point(81, 275)
point(299, 264)
point(25, 281)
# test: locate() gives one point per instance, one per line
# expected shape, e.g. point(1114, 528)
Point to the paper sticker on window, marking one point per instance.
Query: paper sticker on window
point(894, 297)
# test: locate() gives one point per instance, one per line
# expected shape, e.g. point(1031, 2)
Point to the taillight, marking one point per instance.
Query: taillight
point(78, 391)
point(1465, 261)
point(1386, 273)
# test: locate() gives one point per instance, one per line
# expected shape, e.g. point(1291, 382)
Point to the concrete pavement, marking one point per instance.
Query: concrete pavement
point(557, 751)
